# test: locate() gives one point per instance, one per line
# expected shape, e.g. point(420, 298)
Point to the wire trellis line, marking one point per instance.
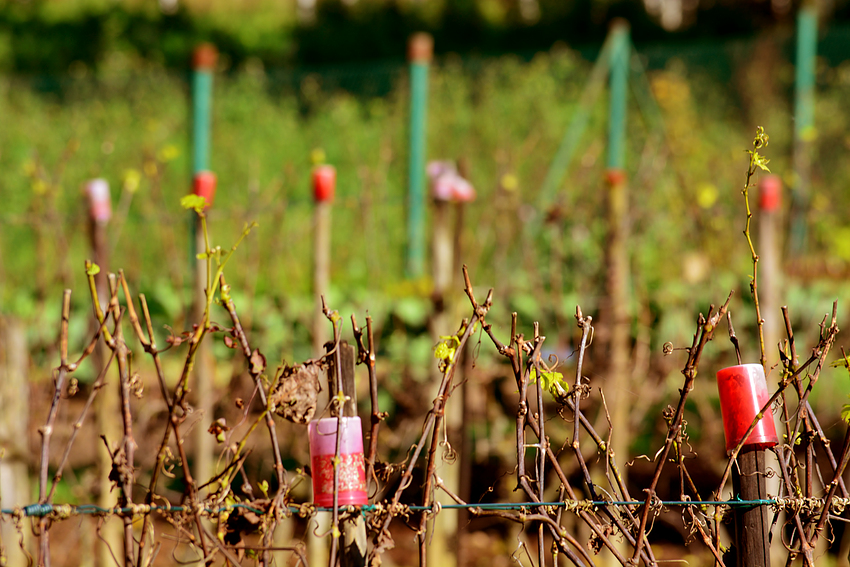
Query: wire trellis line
point(68, 510)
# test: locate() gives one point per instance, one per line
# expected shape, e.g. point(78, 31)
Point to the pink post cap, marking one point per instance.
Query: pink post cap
point(203, 185)
point(324, 183)
point(447, 184)
point(743, 392)
point(770, 193)
point(100, 202)
point(351, 471)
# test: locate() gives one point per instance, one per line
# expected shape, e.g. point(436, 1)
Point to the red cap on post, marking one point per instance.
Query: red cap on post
point(743, 392)
point(420, 48)
point(204, 57)
point(203, 185)
point(615, 176)
point(100, 202)
point(324, 183)
point(770, 193)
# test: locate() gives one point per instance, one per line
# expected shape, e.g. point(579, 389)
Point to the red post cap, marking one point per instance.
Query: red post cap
point(770, 193)
point(743, 392)
point(204, 57)
point(203, 185)
point(420, 48)
point(100, 202)
point(615, 176)
point(324, 183)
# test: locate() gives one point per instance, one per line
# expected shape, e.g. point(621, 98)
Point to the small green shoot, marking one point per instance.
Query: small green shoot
point(196, 203)
point(552, 382)
point(445, 351)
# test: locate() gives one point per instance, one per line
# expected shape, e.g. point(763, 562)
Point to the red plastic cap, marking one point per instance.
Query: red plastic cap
point(324, 183)
point(204, 57)
point(203, 185)
point(743, 392)
point(420, 48)
point(100, 202)
point(770, 193)
point(615, 177)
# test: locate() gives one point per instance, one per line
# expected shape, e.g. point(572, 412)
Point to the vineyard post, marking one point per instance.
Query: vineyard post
point(203, 64)
point(442, 264)
point(751, 521)
point(107, 413)
point(770, 201)
point(14, 424)
point(617, 255)
point(324, 188)
point(420, 51)
point(460, 417)
point(804, 124)
point(353, 531)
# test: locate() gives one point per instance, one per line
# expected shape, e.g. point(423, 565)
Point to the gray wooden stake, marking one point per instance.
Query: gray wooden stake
point(14, 422)
point(751, 522)
point(108, 407)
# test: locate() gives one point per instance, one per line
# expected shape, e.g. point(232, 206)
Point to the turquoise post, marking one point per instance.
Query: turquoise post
point(804, 122)
point(575, 130)
point(619, 89)
point(420, 51)
point(614, 308)
point(203, 64)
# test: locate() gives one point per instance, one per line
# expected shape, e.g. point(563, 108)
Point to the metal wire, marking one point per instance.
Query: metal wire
point(64, 510)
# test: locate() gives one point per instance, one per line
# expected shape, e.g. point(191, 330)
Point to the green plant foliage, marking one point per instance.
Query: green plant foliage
point(445, 350)
point(196, 203)
point(552, 382)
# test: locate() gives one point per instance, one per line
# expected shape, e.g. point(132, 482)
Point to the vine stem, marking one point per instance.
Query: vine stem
point(705, 333)
point(756, 162)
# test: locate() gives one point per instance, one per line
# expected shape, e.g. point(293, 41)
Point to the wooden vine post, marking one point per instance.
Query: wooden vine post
point(449, 190)
point(324, 188)
point(354, 545)
point(107, 413)
point(203, 183)
point(14, 423)
point(616, 313)
point(770, 201)
point(770, 206)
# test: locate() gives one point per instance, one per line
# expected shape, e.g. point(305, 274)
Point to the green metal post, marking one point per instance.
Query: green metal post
point(614, 311)
point(203, 64)
point(804, 123)
point(617, 102)
point(420, 51)
point(576, 128)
